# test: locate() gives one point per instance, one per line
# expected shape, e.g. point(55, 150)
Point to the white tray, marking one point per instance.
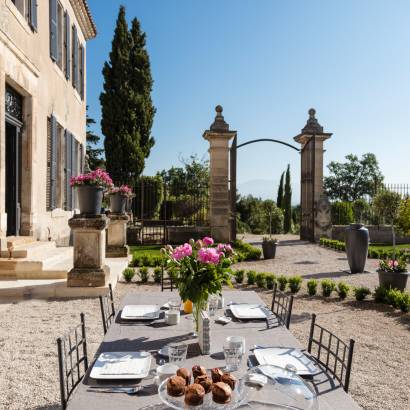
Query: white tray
point(121, 365)
point(248, 311)
point(141, 312)
point(281, 356)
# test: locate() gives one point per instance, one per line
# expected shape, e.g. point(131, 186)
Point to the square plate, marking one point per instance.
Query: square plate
point(140, 312)
point(248, 311)
point(281, 356)
point(121, 365)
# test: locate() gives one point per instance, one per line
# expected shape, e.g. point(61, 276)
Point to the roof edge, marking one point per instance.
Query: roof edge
point(84, 18)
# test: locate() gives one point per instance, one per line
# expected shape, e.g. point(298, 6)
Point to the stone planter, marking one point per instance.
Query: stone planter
point(357, 245)
point(118, 203)
point(395, 280)
point(90, 199)
point(269, 249)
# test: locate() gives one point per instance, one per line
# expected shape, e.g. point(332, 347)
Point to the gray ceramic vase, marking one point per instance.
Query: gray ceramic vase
point(118, 203)
point(90, 199)
point(357, 246)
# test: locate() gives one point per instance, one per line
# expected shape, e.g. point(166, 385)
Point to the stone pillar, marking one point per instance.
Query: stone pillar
point(117, 235)
point(314, 221)
point(89, 251)
point(218, 136)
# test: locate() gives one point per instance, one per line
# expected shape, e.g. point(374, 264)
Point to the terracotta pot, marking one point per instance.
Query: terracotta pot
point(395, 280)
point(90, 199)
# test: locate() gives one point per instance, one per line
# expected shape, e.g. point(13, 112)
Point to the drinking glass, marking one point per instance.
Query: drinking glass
point(212, 305)
point(233, 357)
point(174, 305)
point(236, 341)
point(177, 352)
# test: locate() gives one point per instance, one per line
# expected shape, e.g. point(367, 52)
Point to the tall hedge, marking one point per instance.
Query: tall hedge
point(152, 190)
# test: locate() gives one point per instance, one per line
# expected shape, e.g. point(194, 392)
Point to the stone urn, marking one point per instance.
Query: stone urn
point(269, 249)
point(90, 199)
point(357, 245)
point(118, 203)
point(394, 280)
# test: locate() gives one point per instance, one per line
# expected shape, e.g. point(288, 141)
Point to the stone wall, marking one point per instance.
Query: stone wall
point(378, 234)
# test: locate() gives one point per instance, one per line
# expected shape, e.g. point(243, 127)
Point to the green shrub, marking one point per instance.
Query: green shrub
point(342, 290)
point(380, 294)
point(128, 274)
point(361, 292)
point(247, 251)
point(342, 213)
point(239, 275)
point(312, 287)
point(144, 275)
point(157, 274)
point(393, 297)
point(270, 280)
point(283, 281)
point(328, 286)
point(251, 275)
point(404, 302)
point(136, 260)
point(294, 283)
point(261, 280)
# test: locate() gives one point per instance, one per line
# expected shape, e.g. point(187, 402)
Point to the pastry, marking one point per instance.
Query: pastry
point(198, 371)
point(205, 382)
point(229, 379)
point(221, 393)
point(216, 375)
point(185, 374)
point(194, 395)
point(176, 386)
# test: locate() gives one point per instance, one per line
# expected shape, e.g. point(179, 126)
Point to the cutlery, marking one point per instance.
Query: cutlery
point(127, 390)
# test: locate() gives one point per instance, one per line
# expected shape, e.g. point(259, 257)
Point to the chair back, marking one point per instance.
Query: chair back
point(282, 306)
point(330, 351)
point(72, 360)
point(166, 280)
point(107, 308)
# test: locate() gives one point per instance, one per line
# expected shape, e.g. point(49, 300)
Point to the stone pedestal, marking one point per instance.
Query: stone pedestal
point(89, 251)
point(117, 236)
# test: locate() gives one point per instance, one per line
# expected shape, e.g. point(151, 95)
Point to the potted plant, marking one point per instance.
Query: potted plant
point(200, 269)
point(269, 247)
point(90, 188)
point(118, 198)
point(393, 273)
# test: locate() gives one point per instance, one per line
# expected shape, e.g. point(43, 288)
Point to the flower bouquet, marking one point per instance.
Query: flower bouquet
point(199, 269)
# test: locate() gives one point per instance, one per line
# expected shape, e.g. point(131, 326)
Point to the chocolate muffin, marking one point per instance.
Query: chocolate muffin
point(185, 374)
point(221, 393)
point(205, 382)
point(194, 395)
point(198, 371)
point(216, 375)
point(176, 386)
point(229, 379)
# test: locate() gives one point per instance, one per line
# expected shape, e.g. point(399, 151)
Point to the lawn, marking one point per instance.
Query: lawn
point(150, 250)
point(385, 247)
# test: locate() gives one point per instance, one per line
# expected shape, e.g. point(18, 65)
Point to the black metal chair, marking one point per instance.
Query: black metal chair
point(331, 352)
point(166, 281)
point(107, 308)
point(281, 307)
point(72, 360)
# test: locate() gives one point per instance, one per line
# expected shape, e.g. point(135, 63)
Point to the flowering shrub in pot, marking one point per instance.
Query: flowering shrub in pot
point(200, 269)
point(393, 273)
point(118, 198)
point(90, 188)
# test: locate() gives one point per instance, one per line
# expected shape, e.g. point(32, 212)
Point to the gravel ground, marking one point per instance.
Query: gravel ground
point(380, 376)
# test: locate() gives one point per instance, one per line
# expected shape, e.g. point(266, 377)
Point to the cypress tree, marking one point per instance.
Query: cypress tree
point(93, 152)
point(127, 110)
point(287, 200)
point(279, 200)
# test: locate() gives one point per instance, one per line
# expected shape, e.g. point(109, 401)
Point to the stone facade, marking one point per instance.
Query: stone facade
point(48, 97)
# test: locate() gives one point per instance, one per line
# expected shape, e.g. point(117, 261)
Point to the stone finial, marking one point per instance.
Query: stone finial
point(312, 125)
point(219, 124)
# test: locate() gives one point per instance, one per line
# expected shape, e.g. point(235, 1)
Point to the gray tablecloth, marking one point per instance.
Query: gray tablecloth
point(140, 337)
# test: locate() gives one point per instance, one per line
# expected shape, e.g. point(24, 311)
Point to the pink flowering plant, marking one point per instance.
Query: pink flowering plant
point(122, 190)
point(200, 269)
point(393, 265)
point(98, 178)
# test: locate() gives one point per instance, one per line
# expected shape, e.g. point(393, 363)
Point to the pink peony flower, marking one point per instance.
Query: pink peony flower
point(209, 255)
point(182, 251)
point(208, 241)
point(395, 264)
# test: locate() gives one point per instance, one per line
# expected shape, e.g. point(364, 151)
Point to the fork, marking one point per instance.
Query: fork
point(127, 390)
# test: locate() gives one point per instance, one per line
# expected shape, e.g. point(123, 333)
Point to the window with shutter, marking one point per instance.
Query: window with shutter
point(67, 30)
point(68, 156)
point(74, 169)
point(53, 30)
point(81, 66)
point(33, 14)
point(53, 165)
point(75, 57)
point(60, 34)
point(81, 159)
point(48, 182)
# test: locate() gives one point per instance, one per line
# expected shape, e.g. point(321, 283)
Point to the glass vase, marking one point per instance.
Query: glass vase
point(196, 313)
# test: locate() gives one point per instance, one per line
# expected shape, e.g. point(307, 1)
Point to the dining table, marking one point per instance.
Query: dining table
point(154, 335)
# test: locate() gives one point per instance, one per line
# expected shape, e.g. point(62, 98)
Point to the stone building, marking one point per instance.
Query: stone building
point(42, 114)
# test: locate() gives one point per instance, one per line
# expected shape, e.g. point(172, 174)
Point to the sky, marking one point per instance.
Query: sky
point(267, 62)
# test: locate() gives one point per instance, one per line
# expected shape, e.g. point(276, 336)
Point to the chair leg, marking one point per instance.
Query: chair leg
point(61, 373)
point(312, 328)
point(103, 314)
point(84, 341)
point(289, 312)
point(349, 365)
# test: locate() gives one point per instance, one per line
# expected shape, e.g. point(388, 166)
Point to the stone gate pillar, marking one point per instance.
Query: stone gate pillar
point(315, 208)
point(218, 136)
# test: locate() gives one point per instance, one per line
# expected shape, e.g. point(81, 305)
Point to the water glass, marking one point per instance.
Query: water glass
point(233, 357)
point(212, 305)
point(174, 305)
point(236, 341)
point(177, 352)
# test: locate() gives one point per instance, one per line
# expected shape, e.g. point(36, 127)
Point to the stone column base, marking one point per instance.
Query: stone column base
point(116, 251)
point(88, 277)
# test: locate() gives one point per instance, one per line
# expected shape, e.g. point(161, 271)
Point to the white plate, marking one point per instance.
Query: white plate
point(163, 351)
point(121, 365)
point(281, 356)
point(248, 311)
point(144, 312)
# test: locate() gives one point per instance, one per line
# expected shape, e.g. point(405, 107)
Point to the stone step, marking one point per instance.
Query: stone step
point(33, 250)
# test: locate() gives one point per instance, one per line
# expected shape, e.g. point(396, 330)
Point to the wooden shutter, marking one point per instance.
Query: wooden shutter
point(81, 158)
point(75, 58)
point(68, 189)
point(33, 14)
point(82, 56)
point(74, 168)
point(68, 49)
point(53, 30)
point(53, 164)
